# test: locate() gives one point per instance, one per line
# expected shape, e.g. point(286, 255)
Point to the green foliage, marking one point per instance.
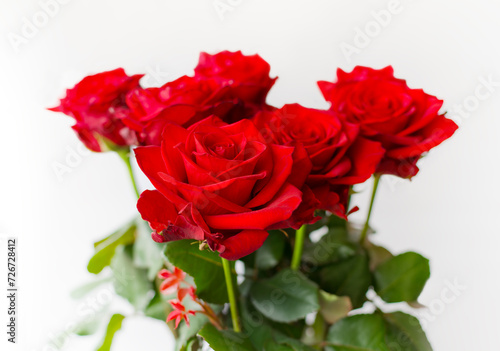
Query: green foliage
point(204, 266)
point(404, 333)
point(286, 297)
point(274, 301)
point(158, 307)
point(402, 278)
point(332, 247)
point(360, 332)
point(105, 249)
point(114, 325)
point(333, 307)
point(378, 332)
point(147, 253)
point(130, 282)
point(271, 253)
point(268, 335)
point(186, 333)
point(350, 277)
point(225, 340)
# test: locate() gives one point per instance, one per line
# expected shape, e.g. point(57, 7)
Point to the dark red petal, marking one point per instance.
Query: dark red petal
point(365, 156)
point(304, 214)
point(433, 134)
point(151, 163)
point(243, 244)
point(157, 210)
point(204, 201)
point(281, 169)
point(301, 168)
point(173, 135)
point(406, 168)
point(279, 209)
point(236, 190)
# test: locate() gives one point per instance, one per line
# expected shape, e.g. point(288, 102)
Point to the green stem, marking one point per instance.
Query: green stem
point(364, 232)
point(125, 155)
point(299, 245)
point(232, 295)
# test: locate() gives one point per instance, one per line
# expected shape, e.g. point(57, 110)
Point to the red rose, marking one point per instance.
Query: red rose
point(329, 156)
point(217, 182)
point(98, 105)
point(247, 75)
point(183, 101)
point(228, 85)
point(406, 121)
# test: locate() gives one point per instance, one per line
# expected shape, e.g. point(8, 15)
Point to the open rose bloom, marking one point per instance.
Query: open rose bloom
point(235, 178)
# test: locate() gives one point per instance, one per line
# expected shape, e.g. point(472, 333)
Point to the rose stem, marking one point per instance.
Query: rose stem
point(297, 250)
point(367, 223)
point(232, 295)
point(125, 156)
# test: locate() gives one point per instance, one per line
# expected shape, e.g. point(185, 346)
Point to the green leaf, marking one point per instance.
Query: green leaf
point(254, 323)
point(114, 325)
point(270, 254)
point(333, 307)
point(402, 278)
point(105, 249)
point(225, 340)
point(186, 333)
point(292, 329)
point(204, 266)
point(295, 344)
point(405, 333)
point(286, 297)
point(377, 254)
point(130, 282)
point(332, 247)
point(336, 222)
point(158, 307)
point(272, 345)
point(264, 336)
point(147, 253)
point(350, 277)
point(363, 332)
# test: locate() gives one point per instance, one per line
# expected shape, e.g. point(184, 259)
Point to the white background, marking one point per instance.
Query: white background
point(449, 212)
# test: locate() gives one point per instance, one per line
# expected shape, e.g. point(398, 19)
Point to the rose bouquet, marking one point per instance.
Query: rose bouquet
point(251, 248)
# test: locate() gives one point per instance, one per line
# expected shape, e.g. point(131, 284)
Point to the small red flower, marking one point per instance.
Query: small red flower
point(172, 280)
point(182, 292)
point(179, 313)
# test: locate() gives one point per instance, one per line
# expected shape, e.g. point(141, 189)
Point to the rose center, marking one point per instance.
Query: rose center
point(225, 150)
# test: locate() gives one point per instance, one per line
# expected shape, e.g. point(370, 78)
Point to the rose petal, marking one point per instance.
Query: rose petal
point(279, 209)
point(243, 244)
